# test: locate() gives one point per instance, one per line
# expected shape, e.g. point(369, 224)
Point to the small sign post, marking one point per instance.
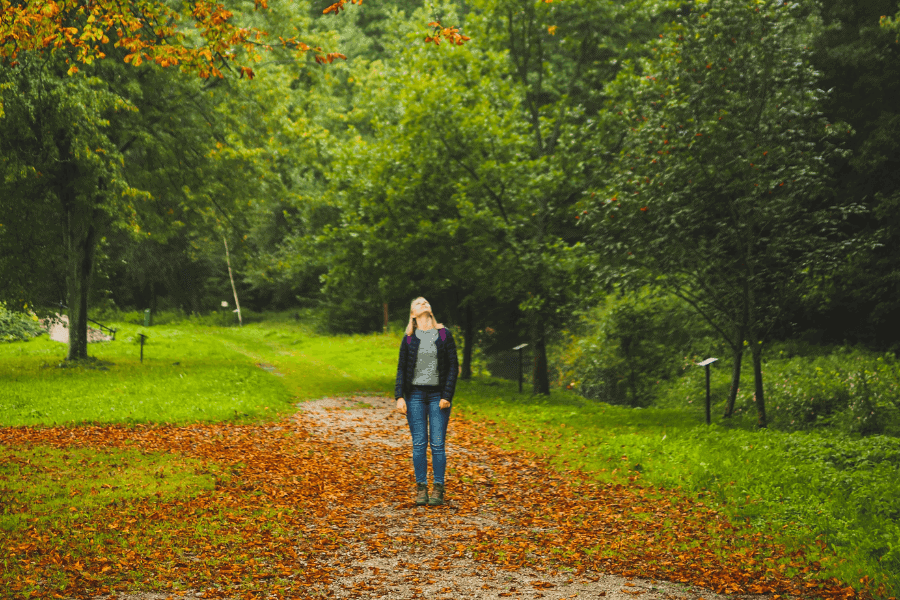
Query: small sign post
point(519, 348)
point(706, 364)
point(143, 337)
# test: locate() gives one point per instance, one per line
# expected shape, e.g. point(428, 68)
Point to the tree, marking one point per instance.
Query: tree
point(720, 191)
point(859, 301)
point(80, 159)
point(201, 39)
point(70, 115)
point(450, 183)
point(406, 208)
point(558, 57)
point(65, 155)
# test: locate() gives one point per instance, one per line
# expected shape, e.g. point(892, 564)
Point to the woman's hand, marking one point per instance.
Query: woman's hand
point(444, 403)
point(401, 405)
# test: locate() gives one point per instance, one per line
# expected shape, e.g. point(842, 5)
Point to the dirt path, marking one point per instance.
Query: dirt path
point(420, 566)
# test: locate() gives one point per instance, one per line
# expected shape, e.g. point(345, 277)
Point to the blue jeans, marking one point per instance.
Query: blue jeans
point(427, 420)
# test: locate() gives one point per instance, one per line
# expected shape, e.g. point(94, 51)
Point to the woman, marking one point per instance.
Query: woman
point(426, 375)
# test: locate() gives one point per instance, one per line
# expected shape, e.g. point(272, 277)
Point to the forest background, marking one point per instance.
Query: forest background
point(521, 180)
point(628, 188)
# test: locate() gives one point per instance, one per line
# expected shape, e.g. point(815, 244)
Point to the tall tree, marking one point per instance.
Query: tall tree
point(68, 157)
point(721, 189)
point(860, 62)
point(62, 46)
point(557, 56)
point(71, 115)
point(437, 195)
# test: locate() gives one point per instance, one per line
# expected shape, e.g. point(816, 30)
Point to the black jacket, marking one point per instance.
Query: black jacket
point(448, 365)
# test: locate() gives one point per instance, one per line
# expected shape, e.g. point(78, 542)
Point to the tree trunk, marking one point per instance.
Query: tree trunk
point(80, 237)
point(757, 375)
point(231, 277)
point(540, 377)
point(737, 353)
point(194, 294)
point(469, 335)
point(80, 241)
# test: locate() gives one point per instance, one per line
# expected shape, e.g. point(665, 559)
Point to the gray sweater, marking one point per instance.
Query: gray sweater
point(426, 360)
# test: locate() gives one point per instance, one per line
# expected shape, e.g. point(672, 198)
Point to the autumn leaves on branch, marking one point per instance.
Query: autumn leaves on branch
point(150, 31)
point(450, 34)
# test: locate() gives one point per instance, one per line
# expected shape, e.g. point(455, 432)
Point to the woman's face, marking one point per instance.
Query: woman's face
point(420, 307)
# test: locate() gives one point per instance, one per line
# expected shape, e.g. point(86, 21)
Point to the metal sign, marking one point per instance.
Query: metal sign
point(706, 364)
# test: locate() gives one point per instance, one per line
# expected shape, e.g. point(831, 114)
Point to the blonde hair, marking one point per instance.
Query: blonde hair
point(411, 327)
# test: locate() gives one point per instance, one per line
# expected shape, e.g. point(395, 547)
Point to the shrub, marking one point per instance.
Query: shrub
point(852, 390)
point(633, 342)
point(18, 326)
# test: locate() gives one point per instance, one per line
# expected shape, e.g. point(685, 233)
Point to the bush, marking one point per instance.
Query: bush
point(18, 326)
point(852, 390)
point(806, 387)
point(634, 341)
point(345, 314)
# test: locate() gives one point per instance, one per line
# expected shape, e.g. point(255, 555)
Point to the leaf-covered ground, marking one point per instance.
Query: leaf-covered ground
point(321, 505)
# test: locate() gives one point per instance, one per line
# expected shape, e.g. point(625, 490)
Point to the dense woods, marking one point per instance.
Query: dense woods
point(521, 162)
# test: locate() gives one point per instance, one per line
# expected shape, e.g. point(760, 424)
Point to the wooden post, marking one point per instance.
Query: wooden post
point(385, 317)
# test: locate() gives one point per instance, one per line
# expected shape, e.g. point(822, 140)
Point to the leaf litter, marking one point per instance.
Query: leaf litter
point(321, 504)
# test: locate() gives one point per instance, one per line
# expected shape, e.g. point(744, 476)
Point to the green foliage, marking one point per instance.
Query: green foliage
point(891, 24)
point(633, 342)
point(18, 326)
point(416, 212)
point(58, 155)
point(848, 390)
point(860, 62)
point(701, 119)
point(718, 187)
point(723, 147)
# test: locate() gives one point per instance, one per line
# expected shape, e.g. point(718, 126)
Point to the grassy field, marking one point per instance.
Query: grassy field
point(189, 373)
point(834, 495)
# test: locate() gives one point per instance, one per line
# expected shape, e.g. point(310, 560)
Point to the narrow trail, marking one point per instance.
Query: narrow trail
point(415, 552)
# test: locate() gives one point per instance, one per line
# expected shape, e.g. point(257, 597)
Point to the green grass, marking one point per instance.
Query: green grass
point(314, 366)
point(187, 375)
point(804, 484)
point(43, 485)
